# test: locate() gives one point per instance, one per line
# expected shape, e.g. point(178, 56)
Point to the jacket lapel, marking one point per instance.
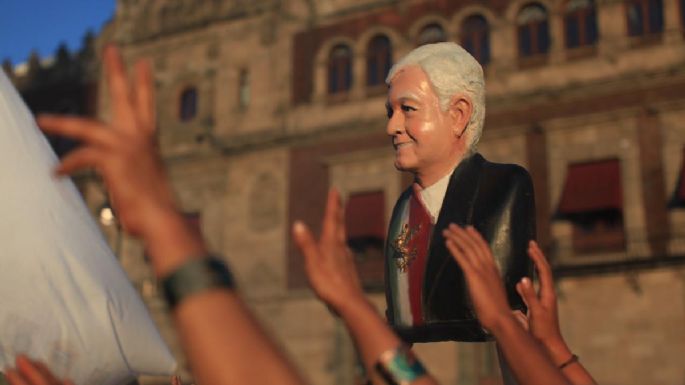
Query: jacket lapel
point(457, 207)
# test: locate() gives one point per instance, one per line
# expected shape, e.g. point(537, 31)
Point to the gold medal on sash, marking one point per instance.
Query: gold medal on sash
point(401, 246)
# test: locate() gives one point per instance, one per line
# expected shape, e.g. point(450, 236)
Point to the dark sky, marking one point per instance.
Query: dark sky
point(42, 25)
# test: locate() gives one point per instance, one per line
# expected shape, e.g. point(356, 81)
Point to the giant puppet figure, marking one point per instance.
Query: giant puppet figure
point(436, 108)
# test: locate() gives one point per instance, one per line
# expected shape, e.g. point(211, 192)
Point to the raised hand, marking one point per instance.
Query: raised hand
point(529, 363)
point(543, 316)
point(543, 319)
point(333, 276)
point(473, 255)
point(223, 341)
point(329, 263)
point(123, 151)
point(29, 372)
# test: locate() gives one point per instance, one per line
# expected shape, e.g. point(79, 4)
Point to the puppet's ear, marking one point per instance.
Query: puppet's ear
point(460, 110)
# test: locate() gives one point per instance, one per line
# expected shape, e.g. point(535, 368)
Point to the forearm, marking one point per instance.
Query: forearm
point(527, 360)
point(224, 343)
point(372, 335)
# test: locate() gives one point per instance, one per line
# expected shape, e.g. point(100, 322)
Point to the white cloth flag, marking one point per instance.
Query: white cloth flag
point(64, 298)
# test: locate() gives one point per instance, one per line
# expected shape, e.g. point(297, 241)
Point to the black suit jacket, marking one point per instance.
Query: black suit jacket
point(497, 199)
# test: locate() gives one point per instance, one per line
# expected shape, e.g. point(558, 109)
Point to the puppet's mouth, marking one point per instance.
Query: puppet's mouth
point(403, 144)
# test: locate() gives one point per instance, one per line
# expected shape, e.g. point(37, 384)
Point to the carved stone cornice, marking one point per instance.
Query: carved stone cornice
point(153, 19)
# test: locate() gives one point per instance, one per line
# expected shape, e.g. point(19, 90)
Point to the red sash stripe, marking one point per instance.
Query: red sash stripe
point(419, 221)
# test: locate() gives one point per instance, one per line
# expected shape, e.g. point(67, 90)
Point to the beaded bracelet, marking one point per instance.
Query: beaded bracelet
point(195, 276)
point(399, 366)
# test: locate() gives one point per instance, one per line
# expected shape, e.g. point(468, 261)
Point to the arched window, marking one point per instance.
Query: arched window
point(188, 104)
point(580, 23)
point(475, 38)
point(533, 30)
point(431, 33)
point(378, 60)
point(645, 17)
point(340, 69)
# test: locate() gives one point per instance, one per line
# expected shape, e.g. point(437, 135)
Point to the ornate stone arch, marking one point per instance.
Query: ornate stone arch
point(460, 16)
point(396, 39)
point(424, 21)
point(515, 6)
point(552, 22)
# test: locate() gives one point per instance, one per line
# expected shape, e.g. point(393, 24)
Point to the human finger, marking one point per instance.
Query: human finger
point(544, 272)
point(82, 158)
point(340, 221)
point(458, 255)
point(15, 378)
point(85, 130)
point(521, 319)
point(478, 240)
point(30, 371)
point(466, 244)
point(175, 380)
point(119, 91)
point(453, 240)
point(47, 374)
point(330, 217)
point(144, 95)
point(527, 292)
point(305, 242)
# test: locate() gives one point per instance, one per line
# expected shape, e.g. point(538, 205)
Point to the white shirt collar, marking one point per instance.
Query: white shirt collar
point(433, 195)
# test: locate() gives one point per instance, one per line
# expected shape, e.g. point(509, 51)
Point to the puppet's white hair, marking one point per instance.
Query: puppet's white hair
point(451, 70)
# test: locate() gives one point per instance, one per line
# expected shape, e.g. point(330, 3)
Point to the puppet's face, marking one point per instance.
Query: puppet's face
point(425, 138)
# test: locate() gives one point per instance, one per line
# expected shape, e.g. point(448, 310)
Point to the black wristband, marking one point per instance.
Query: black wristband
point(195, 276)
point(568, 362)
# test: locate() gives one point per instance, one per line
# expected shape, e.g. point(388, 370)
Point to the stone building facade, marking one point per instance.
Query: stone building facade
point(265, 104)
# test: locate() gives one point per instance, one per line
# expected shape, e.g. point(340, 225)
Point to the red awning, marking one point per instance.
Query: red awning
point(365, 215)
point(592, 186)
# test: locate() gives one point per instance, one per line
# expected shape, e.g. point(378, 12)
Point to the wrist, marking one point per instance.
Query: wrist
point(557, 350)
point(501, 323)
point(171, 241)
point(353, 304)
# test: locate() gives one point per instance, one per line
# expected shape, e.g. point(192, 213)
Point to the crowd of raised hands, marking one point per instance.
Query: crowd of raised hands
point(223, 341)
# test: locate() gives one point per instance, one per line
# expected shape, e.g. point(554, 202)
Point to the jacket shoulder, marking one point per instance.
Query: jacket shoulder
point(512, 174)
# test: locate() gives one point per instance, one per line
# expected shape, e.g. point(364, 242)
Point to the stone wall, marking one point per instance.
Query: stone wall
point(250, 169)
